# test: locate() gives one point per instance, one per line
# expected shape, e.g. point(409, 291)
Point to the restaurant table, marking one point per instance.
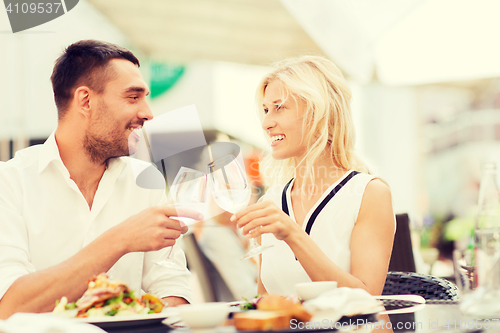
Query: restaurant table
point(434, 316)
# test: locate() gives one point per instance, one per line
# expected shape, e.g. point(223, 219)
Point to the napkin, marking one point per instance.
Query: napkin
point(44, 323)
point(336, 303)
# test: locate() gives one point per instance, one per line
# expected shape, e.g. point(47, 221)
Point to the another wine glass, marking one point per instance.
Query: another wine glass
point(189, 191)
point(232, 192)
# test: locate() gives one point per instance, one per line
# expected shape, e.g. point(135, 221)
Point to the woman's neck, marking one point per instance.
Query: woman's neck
point(325, 174)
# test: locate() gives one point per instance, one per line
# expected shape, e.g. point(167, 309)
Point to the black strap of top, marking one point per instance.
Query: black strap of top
point(284, 204)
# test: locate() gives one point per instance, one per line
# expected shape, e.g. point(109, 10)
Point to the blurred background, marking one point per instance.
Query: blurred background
point(425, 77)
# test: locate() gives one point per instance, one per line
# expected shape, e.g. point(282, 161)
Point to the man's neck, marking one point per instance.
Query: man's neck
point(84, 172)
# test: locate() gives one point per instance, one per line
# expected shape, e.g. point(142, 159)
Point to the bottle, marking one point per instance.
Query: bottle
point(487, 244)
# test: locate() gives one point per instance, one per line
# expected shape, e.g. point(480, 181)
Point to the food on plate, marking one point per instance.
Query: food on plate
point(258, 320)
point(108, 298)
point(280, 303)
point(273, 312)
point(153, 303)
point(250, 304)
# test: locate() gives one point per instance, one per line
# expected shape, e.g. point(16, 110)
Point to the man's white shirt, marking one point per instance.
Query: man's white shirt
point(45, 219)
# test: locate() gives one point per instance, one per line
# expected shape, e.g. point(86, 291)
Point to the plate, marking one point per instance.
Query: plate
point(324, 326)
point(125, 321)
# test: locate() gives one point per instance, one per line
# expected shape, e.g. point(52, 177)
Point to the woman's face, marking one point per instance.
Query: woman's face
point(283, 122)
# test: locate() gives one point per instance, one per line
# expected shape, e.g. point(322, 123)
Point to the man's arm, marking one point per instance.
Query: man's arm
point(174, 301)
point(150, 230)
point(172, 285)
point(37, 292)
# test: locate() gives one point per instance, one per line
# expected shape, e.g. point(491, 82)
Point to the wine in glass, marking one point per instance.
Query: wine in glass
point(232, 192)
point(189, 191)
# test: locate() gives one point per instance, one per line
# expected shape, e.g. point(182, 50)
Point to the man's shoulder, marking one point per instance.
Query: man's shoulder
point(13, 173)
point(23, 159)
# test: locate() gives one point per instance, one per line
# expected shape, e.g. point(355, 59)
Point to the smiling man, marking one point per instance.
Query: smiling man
point(70, 208)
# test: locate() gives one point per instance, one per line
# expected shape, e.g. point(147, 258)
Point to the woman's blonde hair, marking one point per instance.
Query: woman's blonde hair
point(327, 122)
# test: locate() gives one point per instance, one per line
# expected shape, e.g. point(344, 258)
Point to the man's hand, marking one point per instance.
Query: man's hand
point(152, 229)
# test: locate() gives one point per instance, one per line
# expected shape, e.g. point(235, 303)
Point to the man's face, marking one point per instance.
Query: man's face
point(118, 113)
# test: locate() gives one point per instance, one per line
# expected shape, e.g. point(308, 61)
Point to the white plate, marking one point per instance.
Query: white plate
point(128, 321)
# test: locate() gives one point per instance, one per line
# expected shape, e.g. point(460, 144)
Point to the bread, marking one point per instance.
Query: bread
point(257, 320)
point(280, 303)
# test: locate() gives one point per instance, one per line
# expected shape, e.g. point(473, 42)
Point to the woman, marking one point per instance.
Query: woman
point(331, 221)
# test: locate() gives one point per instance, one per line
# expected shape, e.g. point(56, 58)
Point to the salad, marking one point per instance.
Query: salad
point(108, 298)
point(250, 304)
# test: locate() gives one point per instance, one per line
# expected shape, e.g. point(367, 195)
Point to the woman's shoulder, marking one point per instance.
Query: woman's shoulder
point(375, 190)
point(374, 185)
point(377, 205)
point(377, 196)
point(374, 182)
point(377, 187)
point(363, 176)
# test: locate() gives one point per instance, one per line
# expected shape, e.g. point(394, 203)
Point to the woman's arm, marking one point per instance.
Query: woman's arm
point(373, 236)
point(371, 245)
point(371, 240)
point(261, 290)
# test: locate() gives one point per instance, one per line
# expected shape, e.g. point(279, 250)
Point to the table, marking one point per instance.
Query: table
point(431, 317)
point(441, 317)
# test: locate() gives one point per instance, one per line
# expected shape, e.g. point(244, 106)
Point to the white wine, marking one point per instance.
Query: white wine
point(232, 200)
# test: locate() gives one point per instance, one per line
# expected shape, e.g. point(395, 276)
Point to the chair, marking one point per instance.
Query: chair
point(213, 287)
point(402, 259)
point(428, 286)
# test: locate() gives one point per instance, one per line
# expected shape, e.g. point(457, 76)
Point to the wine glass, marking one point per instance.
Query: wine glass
point(232, 192)
point(189, 191)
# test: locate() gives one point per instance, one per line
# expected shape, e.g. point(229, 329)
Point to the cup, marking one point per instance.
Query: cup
point(204, 315)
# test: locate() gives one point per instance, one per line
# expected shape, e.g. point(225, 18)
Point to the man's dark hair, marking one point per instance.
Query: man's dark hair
point(85, 63)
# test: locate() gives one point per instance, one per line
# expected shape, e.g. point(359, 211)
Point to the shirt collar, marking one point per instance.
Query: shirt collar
point(50, 154)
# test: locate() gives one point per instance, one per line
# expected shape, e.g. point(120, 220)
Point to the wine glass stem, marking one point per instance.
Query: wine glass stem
point(253, 243)
point(171, 250)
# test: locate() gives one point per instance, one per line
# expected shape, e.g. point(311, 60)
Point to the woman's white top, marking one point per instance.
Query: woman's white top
point(331, 230)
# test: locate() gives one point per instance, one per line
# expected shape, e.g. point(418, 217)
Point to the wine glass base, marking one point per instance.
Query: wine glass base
point(255, 251)
point(170, 264)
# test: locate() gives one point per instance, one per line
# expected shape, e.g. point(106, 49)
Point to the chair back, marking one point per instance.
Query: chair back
point(402, 259)
point(428, 286)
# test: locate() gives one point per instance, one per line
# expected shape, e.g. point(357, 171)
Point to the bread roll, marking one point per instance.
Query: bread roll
point(280, 303)
point(256, 320)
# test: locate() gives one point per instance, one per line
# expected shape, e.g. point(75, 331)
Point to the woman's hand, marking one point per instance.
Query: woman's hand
point(265, 217)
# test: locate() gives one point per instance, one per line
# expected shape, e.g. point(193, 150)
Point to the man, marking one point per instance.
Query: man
point(70, 208)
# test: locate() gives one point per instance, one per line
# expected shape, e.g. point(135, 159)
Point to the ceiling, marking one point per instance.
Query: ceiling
point(405, 42)
point(244, 31)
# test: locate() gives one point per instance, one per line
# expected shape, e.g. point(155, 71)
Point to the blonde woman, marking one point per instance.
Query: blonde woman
point(332, 220)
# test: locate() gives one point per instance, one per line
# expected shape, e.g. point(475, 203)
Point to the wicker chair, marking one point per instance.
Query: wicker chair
point(428, 286)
